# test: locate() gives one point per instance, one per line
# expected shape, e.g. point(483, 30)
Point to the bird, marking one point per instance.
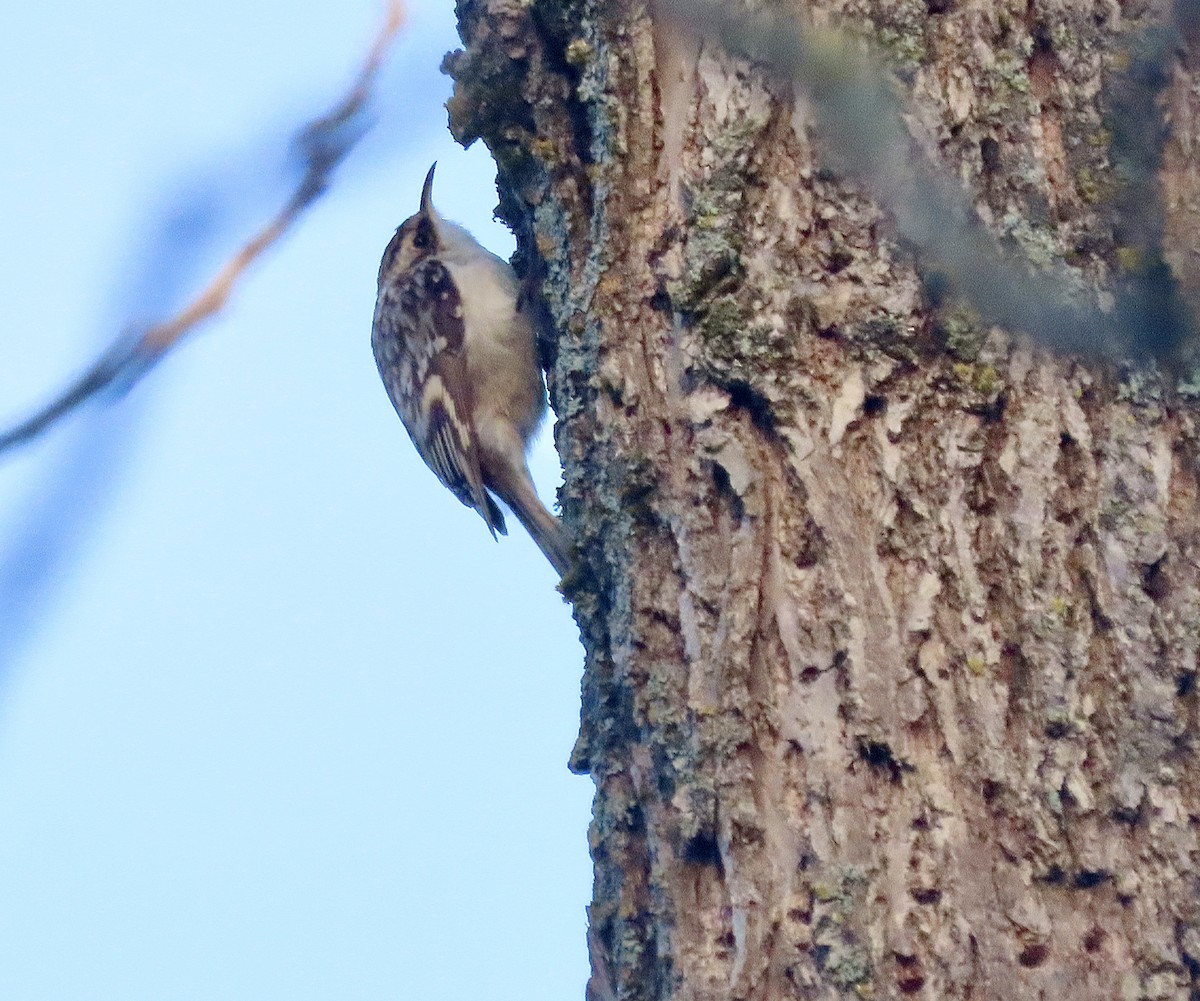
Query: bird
point(457, 356)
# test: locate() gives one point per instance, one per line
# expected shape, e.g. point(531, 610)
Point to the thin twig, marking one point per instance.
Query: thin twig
point(324, 143)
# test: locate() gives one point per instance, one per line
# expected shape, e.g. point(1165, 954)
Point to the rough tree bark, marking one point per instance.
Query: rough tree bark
point(891, 617)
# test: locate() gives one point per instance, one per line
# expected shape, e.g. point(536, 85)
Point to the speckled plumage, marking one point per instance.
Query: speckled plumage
point(458, 361)
point(418, 340)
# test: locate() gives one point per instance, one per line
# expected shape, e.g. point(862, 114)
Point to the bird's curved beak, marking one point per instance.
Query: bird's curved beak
point(427, 192)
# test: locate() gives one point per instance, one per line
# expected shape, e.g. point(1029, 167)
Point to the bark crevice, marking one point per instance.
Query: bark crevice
point(891, 618)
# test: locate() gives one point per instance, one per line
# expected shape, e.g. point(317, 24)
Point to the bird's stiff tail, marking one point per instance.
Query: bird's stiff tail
point(545, 529)
point(548, 532)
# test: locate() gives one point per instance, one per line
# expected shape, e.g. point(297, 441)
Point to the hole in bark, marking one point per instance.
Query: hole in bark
point(1033, 954)
point(910, 985)
point(874, 405)
point(1053, 876)
point(938, 6)
point(905, 959)
point(1094, 939)
point(1185, 684)
point(720, 477)
point(702, 849)
point(1086, 879)
point(1056, 729)
point(606, 932)
point(989, 153)
point(929, 895)
point(1100, 622)
point(810, 674)
point(1154, 581)
point(993, 410)
point(743, 395)
point(839, 259)
point(877, 754)
point(990, 790)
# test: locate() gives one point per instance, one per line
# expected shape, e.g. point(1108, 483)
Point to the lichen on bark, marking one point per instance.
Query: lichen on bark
point(891, 617)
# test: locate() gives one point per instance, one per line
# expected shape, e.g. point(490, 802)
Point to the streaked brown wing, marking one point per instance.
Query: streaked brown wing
point(418, 340)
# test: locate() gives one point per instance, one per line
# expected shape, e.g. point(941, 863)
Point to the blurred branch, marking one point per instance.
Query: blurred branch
point(323, 144)
point(1150, 297)
point(860, 118)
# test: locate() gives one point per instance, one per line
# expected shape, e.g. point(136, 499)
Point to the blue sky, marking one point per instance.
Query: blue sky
point(283, 721)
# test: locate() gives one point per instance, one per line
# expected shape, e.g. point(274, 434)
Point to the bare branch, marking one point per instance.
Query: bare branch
point(323, 143)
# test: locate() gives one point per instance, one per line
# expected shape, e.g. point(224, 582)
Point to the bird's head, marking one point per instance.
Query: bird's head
point(417, 238)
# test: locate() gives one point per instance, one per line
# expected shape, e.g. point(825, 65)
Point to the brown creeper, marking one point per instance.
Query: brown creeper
point(457, 357)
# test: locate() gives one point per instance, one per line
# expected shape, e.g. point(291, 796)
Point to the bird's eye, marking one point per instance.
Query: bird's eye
point(422, 238)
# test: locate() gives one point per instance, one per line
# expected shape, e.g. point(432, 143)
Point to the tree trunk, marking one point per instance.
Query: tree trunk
point(891, 617)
